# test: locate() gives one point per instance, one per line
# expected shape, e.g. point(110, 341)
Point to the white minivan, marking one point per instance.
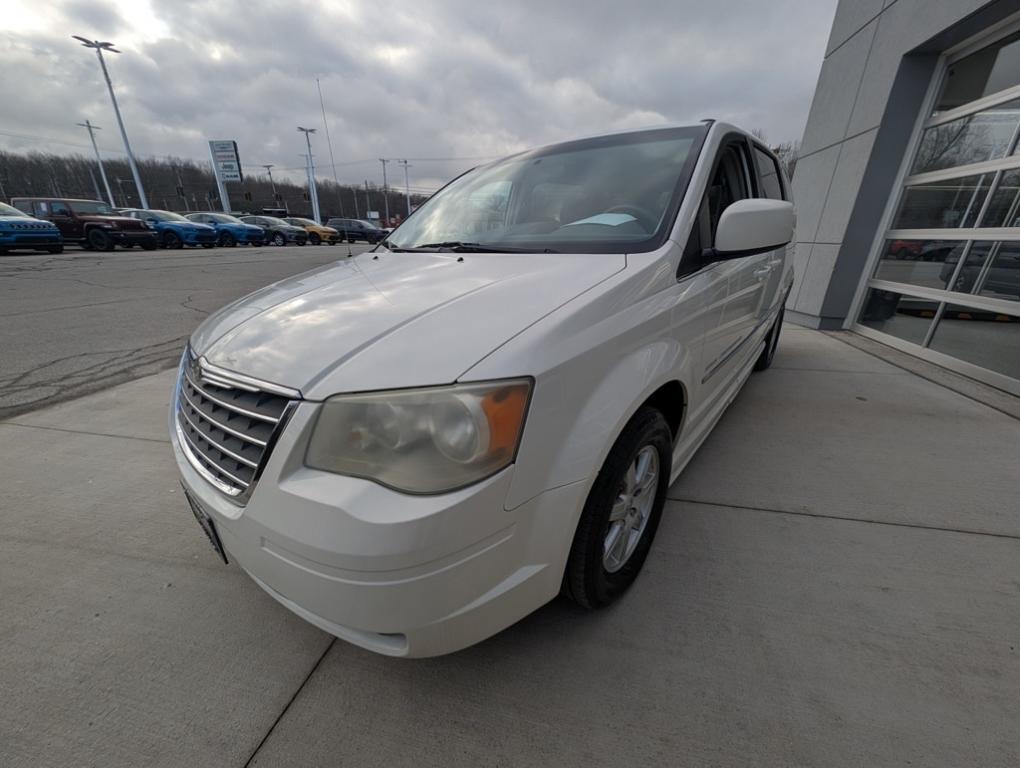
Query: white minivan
point(415, 447)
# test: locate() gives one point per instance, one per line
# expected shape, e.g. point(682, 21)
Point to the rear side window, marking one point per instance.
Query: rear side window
point(768, 173)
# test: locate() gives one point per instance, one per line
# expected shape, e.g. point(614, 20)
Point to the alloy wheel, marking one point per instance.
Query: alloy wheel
point(632, 509)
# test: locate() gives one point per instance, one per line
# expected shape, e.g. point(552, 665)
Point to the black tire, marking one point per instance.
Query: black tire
point(55, 249)
point(99, 239)
point(172, 240)
point(278, 239)
point(314, 239)
point(586, 580)
point(227, 240)
point(771, 343)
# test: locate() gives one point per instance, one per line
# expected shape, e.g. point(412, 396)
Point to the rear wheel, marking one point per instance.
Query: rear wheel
point(622, 513)
point(314, 239)
point(227, 240)
point(99, 239)
point(771, 343)
point(172, 240)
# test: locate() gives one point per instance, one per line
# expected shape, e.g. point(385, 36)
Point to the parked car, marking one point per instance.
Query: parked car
point(415, 448)
point(18, 231)
point(90, 223)
point(317, 233)
point(356, 229)
point(278, 231)
point(173, 230)
point(230, 230)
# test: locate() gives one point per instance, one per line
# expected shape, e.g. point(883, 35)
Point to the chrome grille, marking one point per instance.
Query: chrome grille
point(227, 426)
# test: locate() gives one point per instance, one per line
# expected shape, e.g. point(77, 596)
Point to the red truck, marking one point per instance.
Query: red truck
point(90, 223)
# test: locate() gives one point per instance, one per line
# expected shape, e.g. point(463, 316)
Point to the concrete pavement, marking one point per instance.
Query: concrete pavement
point(84, 320)
point(834, 583)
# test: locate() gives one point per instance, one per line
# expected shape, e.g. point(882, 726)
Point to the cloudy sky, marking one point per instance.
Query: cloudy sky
point(444, 83)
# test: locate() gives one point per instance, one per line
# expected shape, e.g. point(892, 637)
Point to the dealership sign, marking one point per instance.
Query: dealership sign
point(226, 160)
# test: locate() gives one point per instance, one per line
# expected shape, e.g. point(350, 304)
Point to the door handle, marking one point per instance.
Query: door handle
point(762, 273)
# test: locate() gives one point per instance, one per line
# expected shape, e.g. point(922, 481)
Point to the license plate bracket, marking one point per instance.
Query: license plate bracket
point(208, 527)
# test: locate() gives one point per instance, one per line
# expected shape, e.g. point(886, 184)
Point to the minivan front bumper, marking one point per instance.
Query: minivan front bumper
point(397, 574)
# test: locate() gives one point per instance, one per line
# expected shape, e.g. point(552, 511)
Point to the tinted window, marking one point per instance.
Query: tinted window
point(729, 184)
point(988, 71)
point(768, 173)
point(947, 204)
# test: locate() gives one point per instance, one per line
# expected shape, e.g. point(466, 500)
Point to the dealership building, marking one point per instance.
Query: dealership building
point(908, 184)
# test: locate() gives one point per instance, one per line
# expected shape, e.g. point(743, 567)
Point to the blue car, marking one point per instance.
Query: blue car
point(230, 230)
point(20, 231)
point(173, 230)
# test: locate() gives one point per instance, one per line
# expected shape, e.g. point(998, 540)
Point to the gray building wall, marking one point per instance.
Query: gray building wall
point(879, 62)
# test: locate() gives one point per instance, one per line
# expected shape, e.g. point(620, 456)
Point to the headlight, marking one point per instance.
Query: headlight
point(422, 440)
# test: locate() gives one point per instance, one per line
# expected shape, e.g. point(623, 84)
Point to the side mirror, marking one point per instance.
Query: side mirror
point(749, 227)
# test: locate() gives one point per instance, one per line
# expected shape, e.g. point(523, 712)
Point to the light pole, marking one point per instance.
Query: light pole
point(269, 170)
point(332, 162)
point(91, 129)
point(385, 190)
point(124, 197)
point(407, 184)
point(311, 174)
point(99, 47)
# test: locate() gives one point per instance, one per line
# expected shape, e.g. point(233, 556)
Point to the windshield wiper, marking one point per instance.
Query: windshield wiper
point(458, 246)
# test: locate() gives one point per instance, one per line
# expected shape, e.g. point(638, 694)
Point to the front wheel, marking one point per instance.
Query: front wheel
point(227, 240)
point(622, 513)
point(172, 240)
point(314, 239)
point(100, 240)
point(279, 239)
point(771, 343)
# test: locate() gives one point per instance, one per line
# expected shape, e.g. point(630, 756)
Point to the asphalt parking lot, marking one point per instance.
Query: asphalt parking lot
point(835, 583)
point(83, 320)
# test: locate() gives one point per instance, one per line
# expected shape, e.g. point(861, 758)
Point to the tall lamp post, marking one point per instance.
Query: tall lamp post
point(385, 190)
point(99, 47)
point(269, 170)
point(311, 175)
point(407, 184)
point(102, 173)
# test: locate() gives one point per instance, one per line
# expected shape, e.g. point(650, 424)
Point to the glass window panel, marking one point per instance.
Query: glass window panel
point(987, 339)
point(920, 262)
point(990, 70)
point(993, 272)
point(971, 139)
point(905, 317)
point(1004, 207)
point(948, 204)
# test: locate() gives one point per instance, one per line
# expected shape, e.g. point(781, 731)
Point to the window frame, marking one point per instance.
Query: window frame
point(690, 260)
point(884, 232)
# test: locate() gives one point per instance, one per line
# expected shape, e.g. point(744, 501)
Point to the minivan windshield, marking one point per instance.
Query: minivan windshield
point(90, 206)
point(612, 194)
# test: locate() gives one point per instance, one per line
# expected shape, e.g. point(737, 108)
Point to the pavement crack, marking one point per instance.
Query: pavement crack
point(848, 518)
point(290, 701)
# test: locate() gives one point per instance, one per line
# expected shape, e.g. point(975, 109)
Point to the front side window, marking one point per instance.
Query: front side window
point(613, 194)
point(60, 209)
point(768, 175)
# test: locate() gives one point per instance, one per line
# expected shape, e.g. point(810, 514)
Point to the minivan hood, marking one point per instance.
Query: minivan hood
point(391, 320)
